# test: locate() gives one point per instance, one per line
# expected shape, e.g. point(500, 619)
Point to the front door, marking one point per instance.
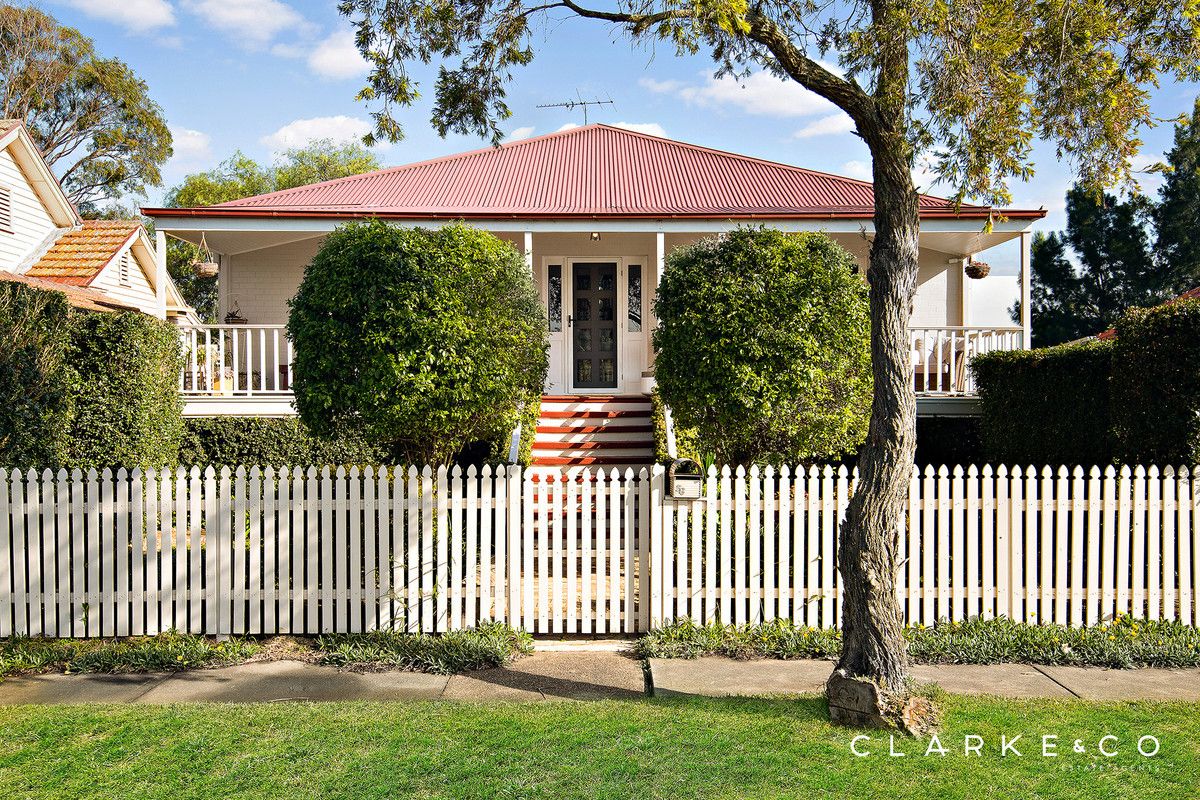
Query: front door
point(593, 325)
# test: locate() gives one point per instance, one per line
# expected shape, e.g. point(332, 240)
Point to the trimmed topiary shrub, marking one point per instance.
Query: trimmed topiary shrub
point(35, 376)
point(1156, 384)
point(763, 346)
point(424, 340)
point(1047, 406)
point(127, 403)
point(269, 441)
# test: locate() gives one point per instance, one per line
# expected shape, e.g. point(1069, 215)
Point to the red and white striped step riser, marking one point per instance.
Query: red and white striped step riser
point(593, 432)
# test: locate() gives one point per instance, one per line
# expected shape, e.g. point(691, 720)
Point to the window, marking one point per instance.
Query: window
point(634, 296)
point(124, 267)
point(6, 209)
point(554, 297)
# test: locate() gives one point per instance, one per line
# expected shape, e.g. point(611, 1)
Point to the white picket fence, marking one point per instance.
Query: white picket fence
point(593, 552)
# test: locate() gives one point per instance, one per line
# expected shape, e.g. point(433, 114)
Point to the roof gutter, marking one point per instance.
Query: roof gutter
point(256, 213)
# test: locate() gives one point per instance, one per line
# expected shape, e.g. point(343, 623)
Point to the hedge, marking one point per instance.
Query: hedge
point(263, 441)
point(1047, 406)
point(127, 402)
point(36, 396)
point(82, 389)
point(1156, 384)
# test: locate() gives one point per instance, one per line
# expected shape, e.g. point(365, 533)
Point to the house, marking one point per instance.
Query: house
point(100, 265)
point(594, 210)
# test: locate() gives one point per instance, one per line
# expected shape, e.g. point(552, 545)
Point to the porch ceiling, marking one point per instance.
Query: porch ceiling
point(235, 242)
point(954, 243)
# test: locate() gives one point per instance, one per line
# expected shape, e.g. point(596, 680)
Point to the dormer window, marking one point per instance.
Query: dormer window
point(6, 209)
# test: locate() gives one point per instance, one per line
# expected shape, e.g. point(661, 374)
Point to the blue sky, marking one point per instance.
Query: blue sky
point(262, 75)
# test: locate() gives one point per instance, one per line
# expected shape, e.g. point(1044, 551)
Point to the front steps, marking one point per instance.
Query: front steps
point(594, 431)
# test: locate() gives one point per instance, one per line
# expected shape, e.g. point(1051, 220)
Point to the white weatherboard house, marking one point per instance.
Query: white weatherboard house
point(100, 265)
point(595, 210)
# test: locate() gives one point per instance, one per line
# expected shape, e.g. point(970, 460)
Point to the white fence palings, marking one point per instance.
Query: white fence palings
point(307, 551)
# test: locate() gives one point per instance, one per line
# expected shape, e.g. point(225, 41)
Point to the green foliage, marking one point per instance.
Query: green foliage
point(1047, 406)
point(1156, 384)
point(166, 652)
point(1124, 643)
point(240, 176)
point(491, 644)
point(83, 389)
point(1117, 268)
point(762, 345)
point(91, 117)
point(127, 403)
point(425, 340)
point(687, 443)
point(36, 401)
point(267, 441)
point(1177, 216)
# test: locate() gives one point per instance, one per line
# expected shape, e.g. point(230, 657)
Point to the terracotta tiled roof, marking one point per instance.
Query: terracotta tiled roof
point(1190, 294)
point(595, 171)
point(78, 296)
point(79, 255)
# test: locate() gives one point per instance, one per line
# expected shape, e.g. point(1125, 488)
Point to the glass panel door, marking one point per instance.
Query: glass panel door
point(593, 322)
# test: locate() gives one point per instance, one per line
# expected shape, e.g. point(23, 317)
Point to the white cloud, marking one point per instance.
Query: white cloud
point(651, 128)
point(925, 175)
point(254, 23)
point(516, 134)
point(337, 57)
point(825, 126)
point(135, 16)
point(190, 146)
point(567, 127)
point(302, 131)
point(857, 169)
point(761, 94)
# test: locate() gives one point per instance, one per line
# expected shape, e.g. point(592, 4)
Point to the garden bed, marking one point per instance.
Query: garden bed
point(1123, 643)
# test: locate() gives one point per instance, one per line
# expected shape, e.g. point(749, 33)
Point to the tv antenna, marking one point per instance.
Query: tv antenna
point(579, 102)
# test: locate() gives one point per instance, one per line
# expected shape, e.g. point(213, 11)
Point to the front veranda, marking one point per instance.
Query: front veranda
point(597, 282)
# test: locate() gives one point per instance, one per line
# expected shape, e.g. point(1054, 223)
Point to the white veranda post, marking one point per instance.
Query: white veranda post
point(1026, 267)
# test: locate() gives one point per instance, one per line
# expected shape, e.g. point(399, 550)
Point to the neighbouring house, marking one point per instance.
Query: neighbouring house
point(1190, 294)
point(595, 210)
point(100, 265)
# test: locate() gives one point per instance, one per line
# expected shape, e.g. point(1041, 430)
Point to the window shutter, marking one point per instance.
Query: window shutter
point(6, 209)
point(124, 268)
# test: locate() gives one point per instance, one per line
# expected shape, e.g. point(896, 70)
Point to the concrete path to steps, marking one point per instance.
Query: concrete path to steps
point(576, 674)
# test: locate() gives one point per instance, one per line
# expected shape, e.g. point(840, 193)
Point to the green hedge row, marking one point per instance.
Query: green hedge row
point(1047, 406)
point(80, 389)
point(263, 441)
point(1132, 399)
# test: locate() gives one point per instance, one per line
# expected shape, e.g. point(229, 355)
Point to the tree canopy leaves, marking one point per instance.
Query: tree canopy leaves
point(92, 117)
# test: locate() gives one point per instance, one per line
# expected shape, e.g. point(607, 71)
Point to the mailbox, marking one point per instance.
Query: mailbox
point(684, 479)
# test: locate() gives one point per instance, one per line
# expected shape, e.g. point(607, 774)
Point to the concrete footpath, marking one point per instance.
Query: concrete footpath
point(575, 674)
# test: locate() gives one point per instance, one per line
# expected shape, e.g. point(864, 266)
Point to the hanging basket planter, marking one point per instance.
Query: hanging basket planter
point(204, 265)
point(977, 270)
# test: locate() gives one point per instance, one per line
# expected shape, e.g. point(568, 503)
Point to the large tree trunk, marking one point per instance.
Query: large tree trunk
point(872, 624)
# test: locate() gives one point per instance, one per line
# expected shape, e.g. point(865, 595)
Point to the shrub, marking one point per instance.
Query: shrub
point(492, 644)
point(266, 441)
point(166, 652)
point(35, 376)
point(1123, 643)
point(127, 406)
point(763, 345)
point(425, 340)
point(687, 443)
point(1156, 384)
point(1047, 406)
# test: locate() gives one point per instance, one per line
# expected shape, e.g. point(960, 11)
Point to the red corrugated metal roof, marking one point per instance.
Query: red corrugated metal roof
point(593, 171)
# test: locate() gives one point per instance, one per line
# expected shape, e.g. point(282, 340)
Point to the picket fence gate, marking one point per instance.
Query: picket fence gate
point(307, 551)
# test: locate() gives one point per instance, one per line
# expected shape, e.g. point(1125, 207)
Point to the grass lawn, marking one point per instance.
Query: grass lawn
point(651, 748)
